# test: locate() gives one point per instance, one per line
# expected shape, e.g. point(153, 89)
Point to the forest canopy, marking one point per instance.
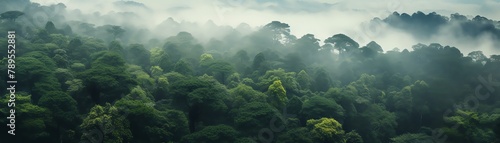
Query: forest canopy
point(82, 82)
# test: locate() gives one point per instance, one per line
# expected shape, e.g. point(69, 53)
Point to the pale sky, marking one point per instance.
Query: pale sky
point(323, 18)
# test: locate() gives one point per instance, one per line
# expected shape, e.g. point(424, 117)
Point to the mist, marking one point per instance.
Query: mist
point(321, 18)
point(240, 71)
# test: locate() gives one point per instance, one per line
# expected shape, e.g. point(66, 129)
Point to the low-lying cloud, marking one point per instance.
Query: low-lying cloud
point(323, 18)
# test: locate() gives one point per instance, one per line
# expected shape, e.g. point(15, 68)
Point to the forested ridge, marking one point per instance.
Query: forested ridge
point(77, 82)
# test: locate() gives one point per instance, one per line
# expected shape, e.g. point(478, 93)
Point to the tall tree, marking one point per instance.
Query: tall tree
point(105, 124)
point(116, 31)
point(342, 43)
point(201, 98)
point(64, 111)
point(259, 63)
point(11, 15)
point(277, 94)
point(107, 79)
point(138, 55)
point(304, 80)
point(50, 27)
point(326, 130)
point(321, 80)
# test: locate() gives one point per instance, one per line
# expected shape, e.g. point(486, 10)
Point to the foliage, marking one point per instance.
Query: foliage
point(326, 130)
point(130, 84)
point(107, 121)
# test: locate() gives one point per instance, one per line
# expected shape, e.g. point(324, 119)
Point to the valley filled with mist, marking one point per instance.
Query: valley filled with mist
point(238, 71)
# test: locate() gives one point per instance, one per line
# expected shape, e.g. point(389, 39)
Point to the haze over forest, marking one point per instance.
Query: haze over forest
point(240, 71)
point(318, 17)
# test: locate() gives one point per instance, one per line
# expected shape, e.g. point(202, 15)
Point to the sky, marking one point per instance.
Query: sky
point(323, 18)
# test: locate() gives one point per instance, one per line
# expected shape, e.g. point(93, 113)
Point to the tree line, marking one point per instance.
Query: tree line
point(75, 88)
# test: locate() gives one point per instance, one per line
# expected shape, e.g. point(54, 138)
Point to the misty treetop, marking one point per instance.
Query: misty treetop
point(424, 26)
point(83, 82)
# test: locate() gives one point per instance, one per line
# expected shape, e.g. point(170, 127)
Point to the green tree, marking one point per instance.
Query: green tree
point(304, 80)
point(63, 108)
point(61, 58)
point(160, 58)
point(36, 121)
point(242, 56)
point(116, 31)
point(321, 80)
point(342, 43)
point(477, 56)
point(205, 58)
point(11, 15)
point(77, 52)
point(293, 62)
point(218, 133)
point(353, 137)
point(138, 55)
point(374, 123)
point(233, 80)
point(307, 47)
point(37, 79)
point(105, 124)
point(296, 135)
point(412, 138)
point(287, 78)
point(148, 124)
point(318, 107)
point(472, 126)
point(243, 94)
point(107, 78)
point(156, 71)
point(260, 64)
point(201, 97)
point(50, 27)
point(277, 94)
point(278, 32)
point(254, 116)
point(326, 130)
point(115, 46)
point(220, 70)
point(371, 49)
point(142, 78)
point(183, 67)
point(374, 46)
point(241, 62)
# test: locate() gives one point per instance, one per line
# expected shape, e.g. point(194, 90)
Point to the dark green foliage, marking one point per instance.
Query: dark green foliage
point(201, 98)
point(297, 135)
point(116, 47)
point(62, 106)
point(107, 80)
point(183, 67)
point(36, 121)
point(50, 28)
point(107, 122)
point(212, 134)
point(322, 80)
point(219, 69)
point(317, 107)
point(95, 82)
point(259, 63)
point(138, 55)
point(254, 116)
point(353, 137)
point(412, 138)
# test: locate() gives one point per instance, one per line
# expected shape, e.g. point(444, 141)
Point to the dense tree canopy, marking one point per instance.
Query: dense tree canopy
point(97, 82)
